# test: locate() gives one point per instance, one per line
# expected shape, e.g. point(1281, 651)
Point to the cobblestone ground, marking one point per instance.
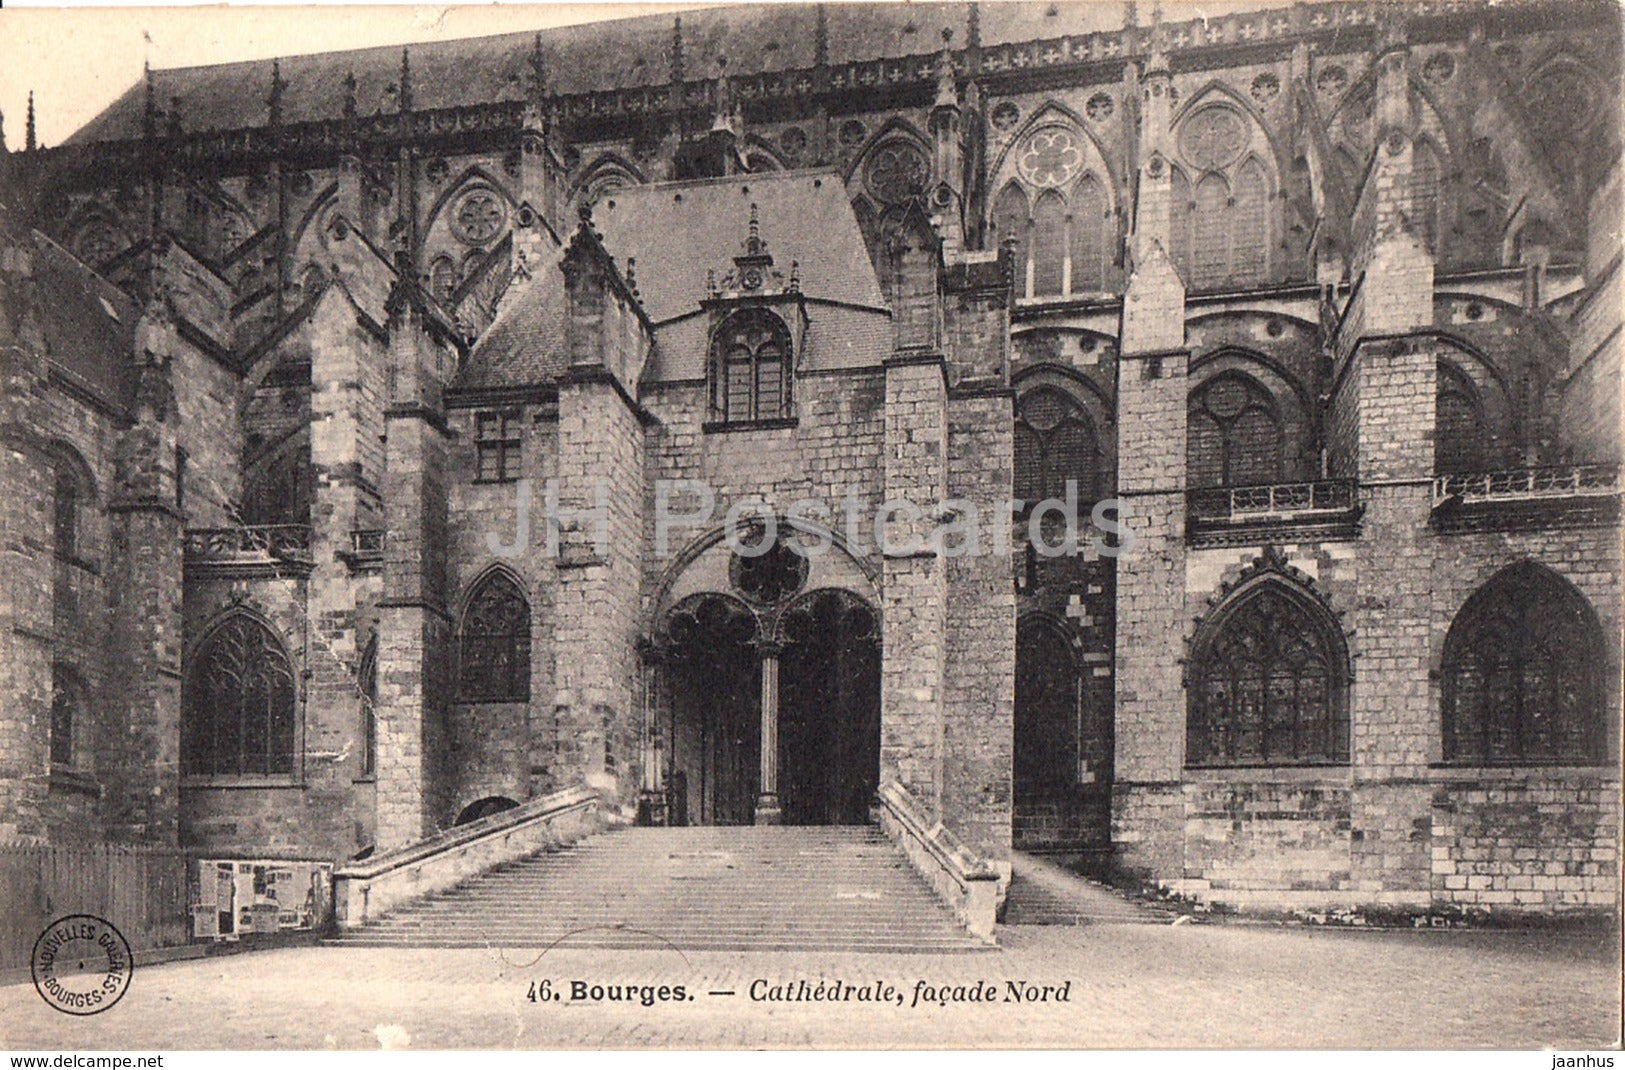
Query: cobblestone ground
point(1131, 986)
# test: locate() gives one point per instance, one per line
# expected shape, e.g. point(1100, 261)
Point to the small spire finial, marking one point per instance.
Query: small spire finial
point(30, 141)
point(632, 277)
point(404, 98)
point(821, 38)
point(538, 71)
point(273, 101)
point(677, 48)
point(349, 97)
point(754, 244)
point(795, 276)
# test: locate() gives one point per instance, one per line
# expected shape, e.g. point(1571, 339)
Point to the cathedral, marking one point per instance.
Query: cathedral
point(394, 437)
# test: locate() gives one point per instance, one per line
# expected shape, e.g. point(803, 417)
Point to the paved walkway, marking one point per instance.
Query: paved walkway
point(1130, 986)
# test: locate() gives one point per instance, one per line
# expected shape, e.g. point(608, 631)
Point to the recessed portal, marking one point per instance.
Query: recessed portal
point(715, 678)
point(829, 710)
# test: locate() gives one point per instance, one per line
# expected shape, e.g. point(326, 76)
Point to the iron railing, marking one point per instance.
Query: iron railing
point(1271, 501)
point(1524, 484)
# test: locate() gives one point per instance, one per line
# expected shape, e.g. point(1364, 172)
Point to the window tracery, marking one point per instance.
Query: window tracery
point(1522, 676)
point(240, 704)
point(494, 662)
point(750, 368)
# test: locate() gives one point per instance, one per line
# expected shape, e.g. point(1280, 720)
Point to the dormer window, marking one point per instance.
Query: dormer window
point(750, 368)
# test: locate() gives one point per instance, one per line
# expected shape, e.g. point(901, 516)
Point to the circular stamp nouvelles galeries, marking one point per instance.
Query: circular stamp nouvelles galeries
point(82, 964)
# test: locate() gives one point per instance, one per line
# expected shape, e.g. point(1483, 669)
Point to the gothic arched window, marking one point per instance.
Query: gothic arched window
point(1523, 674)
point(1461, 438)
point(495, 652)
point(1220, 219)
point(1234, 434)
point(1063, 232)
point(1010, 226)
point(240, 702)
point(67, 709)
point(750, 368)
point(442, 278)
point(1055, 442)
point(65, 510)
point(1268, 683)
point(367, 685)
point(1091, 244)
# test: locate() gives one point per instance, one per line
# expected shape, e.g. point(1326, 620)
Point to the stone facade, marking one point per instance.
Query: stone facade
point(1323, 298)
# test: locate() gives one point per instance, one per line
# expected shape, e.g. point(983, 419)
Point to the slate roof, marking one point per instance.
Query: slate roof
point(89, 324)
point(621, 53)
point(677, 231)
point(525, 344)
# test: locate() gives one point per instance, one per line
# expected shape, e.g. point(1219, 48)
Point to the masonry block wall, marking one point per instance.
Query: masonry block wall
point(595, 627)
point(980, 635)
point(915, 588)
point(1151, 410)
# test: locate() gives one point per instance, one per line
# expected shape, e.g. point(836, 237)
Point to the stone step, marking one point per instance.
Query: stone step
point(702, 888)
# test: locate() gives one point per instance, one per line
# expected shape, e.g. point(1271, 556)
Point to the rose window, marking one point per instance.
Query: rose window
point(1213, 138)
point(896, 173)
point(1050, 158)
point(768, 573)
point(479, 217)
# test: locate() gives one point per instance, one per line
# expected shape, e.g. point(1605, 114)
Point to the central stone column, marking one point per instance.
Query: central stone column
point(767, 800)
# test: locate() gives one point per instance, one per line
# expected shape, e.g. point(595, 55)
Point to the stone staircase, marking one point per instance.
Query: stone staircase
point(1043, 893)
point(740, 888)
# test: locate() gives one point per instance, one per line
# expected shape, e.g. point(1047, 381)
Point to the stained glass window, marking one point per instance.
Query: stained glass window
point(1268, 685)
point(1523, 674)
point(1462, 441)
point(239, 704)
point(1055, 441)
point(495, 661)
point(750, 368)
point(1089, 240)
point(1234, 434)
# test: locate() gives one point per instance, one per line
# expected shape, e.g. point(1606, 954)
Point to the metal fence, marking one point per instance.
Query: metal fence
point(143, 891)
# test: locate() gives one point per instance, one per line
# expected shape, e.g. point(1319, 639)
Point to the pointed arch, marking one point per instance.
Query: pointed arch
point(1210, 231)
point(1524, 674)
point(896, 127)
point(1054, 113)
point(1269, 677)
point(1010, 226)
point(239, 701)
point(1233, 433)
point(471, 177)
point(1090, 236)
point(1048, 710)
point(609, 170)
point(1055, 442)
point(758, 150)
point(1462, 440)
point(443, 278)
point(1182, 210)
point(1049, 244)
point(493, 663)
point(367, 690)
point(1250, 224)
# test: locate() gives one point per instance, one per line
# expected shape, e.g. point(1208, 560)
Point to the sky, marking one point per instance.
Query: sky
point(79, 60)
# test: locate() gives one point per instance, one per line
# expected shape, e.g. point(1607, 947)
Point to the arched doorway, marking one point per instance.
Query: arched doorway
point(492, 804)
point(829, 709)
point(715, 688)
point(1046, 734)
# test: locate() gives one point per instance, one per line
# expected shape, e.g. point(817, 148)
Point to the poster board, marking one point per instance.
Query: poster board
point(235, 897)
